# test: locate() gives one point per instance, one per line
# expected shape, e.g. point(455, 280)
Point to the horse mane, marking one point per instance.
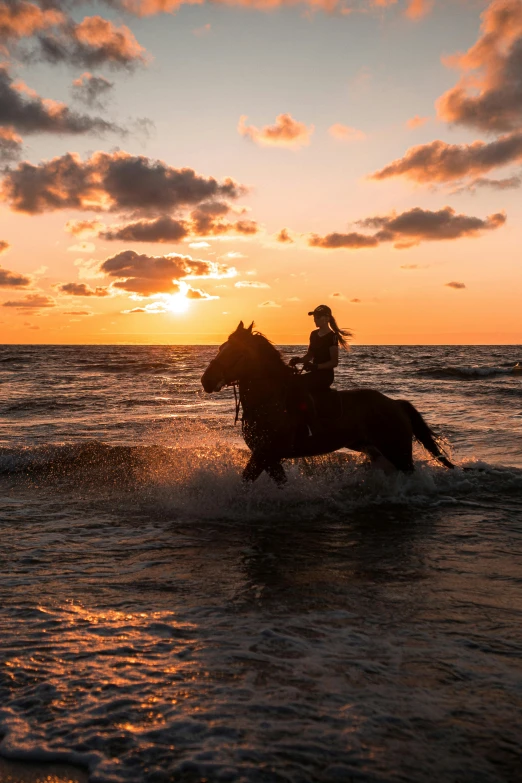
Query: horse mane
point(269, 357)
point(267, 352)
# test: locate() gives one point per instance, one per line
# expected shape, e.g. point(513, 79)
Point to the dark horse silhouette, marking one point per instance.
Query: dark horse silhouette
point(365, 420)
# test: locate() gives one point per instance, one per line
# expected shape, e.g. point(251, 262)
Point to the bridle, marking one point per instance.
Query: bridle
point(234, 384)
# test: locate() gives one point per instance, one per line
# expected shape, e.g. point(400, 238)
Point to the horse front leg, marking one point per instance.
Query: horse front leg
point(253, 469)
point(258, 463)
point(277, 473)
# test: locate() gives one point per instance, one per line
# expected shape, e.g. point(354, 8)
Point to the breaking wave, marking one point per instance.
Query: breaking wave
point(470, 373)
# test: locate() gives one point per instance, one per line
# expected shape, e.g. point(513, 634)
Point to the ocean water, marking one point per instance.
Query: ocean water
point(161, 622)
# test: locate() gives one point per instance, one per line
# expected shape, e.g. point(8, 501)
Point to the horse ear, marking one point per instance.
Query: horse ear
point(250, 327)
point(240, 327)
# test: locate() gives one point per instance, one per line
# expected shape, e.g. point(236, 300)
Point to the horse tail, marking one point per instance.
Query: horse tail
point(424, 434)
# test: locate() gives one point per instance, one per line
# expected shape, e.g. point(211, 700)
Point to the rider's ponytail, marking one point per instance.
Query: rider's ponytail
point(342, 334)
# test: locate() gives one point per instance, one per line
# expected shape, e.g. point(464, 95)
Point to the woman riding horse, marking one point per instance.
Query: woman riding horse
point(368, 422)
point(322, 356)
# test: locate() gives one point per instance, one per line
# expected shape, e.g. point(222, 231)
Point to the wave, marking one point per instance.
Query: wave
point(129, 367)
point(469, 373)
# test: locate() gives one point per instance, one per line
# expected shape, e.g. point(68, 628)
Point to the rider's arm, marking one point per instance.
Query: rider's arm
point(308, 357)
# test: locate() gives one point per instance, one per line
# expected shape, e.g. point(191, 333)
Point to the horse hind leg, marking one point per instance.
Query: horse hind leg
point(389, 460)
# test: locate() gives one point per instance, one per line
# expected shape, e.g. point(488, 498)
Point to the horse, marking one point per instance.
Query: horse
point(362, 420)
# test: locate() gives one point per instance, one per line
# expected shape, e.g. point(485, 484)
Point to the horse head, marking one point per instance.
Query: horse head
point(227, 367)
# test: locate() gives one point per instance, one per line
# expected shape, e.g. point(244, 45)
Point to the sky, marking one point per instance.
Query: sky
point(169, 168)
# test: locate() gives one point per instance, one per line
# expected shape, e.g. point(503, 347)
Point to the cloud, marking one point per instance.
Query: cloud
point(286, 132)
point(82, 289)
point(508, 183)
point(92, 90)
point(31, 301)
point(337, 295)
point(488, 96)
point(455, 285)
point(355, 301)
point(441, 162)
point(410, 228)
point(4, 246)
point(77, 312)
point(417, 122)
point(199, 32)
point(353, 240)
point(418, 8)
point(23, 110)
point(203, 222)
point(284, 236)
point(109, 182)
point(163, 229)
point(20, 19)
point(417, 225)
point(345, 133)
point(84, 228)
point(93, 42)
point(10, 145)
point(149, 275)
point(250, 284)
point(10, 279)
point(269, 303)
point(414, 10)
point(197, 293)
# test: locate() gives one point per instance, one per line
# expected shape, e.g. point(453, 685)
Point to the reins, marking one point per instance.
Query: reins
point(237, 399)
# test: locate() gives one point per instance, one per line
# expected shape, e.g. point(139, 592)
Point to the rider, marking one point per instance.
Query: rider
point(322, 355)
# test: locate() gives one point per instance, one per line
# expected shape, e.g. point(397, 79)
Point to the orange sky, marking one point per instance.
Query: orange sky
point(168, 174)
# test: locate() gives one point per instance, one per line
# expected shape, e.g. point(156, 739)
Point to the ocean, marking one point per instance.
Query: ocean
point(159, 621)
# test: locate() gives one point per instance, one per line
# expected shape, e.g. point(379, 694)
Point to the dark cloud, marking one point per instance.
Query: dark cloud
point(410, 228)
point(110, 182)
point(31, 301)
point(491, 100)
point(441, 162)
point(93, 42)
point(10, 279)
point(455, 285)
point(171, 230)
point(417, 225)
point(91, 90)
point(148, 275)
point(163, 229)
point(508, 183)
point(21, 109)
point(81, 289)
point(4, 246)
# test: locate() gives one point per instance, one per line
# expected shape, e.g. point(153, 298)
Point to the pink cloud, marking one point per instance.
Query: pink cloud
point(345, 132)
point(488, 95)
point(417, 122)
point(286, 132)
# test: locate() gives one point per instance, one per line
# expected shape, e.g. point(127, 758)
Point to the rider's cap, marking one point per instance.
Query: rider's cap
point(321, 310)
